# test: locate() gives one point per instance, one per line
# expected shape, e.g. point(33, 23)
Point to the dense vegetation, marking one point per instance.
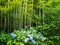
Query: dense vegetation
point(21, 20)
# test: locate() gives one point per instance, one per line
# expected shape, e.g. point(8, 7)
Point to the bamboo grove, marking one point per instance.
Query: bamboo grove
point(43, 15)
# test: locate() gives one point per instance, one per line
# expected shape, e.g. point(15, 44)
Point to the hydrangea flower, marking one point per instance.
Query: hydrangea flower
point(26, 40)
point(31, 38)
point(26, 27)
point(13, 35)
point(39, 33)
point(30, 35)
point(34, 30)
point(31, 28)
point(29, 32)
point(37, 37)
point(24, 31)
point(18, 30)
point(33, 41)
point(43, 39)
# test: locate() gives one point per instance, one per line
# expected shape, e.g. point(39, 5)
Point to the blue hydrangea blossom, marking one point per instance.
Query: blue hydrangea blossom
point(33, 41)
point(13, 35)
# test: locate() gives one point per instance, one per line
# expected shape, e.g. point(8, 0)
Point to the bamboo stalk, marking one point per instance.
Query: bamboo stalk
point(5, 21)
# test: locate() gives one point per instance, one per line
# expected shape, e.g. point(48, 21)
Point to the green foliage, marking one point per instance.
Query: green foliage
point(8, 12)
point(43, 15)
point(25, 37)
point(4, 37)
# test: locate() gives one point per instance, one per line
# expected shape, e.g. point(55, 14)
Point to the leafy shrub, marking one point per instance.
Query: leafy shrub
point(4, 37)
point(25, 37)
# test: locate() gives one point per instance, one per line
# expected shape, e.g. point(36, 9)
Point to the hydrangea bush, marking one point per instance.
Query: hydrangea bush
point(28, 37)
point(24, 37)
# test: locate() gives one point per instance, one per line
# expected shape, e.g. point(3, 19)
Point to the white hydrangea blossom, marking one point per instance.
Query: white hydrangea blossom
point(43, 39)
point(26, 40)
